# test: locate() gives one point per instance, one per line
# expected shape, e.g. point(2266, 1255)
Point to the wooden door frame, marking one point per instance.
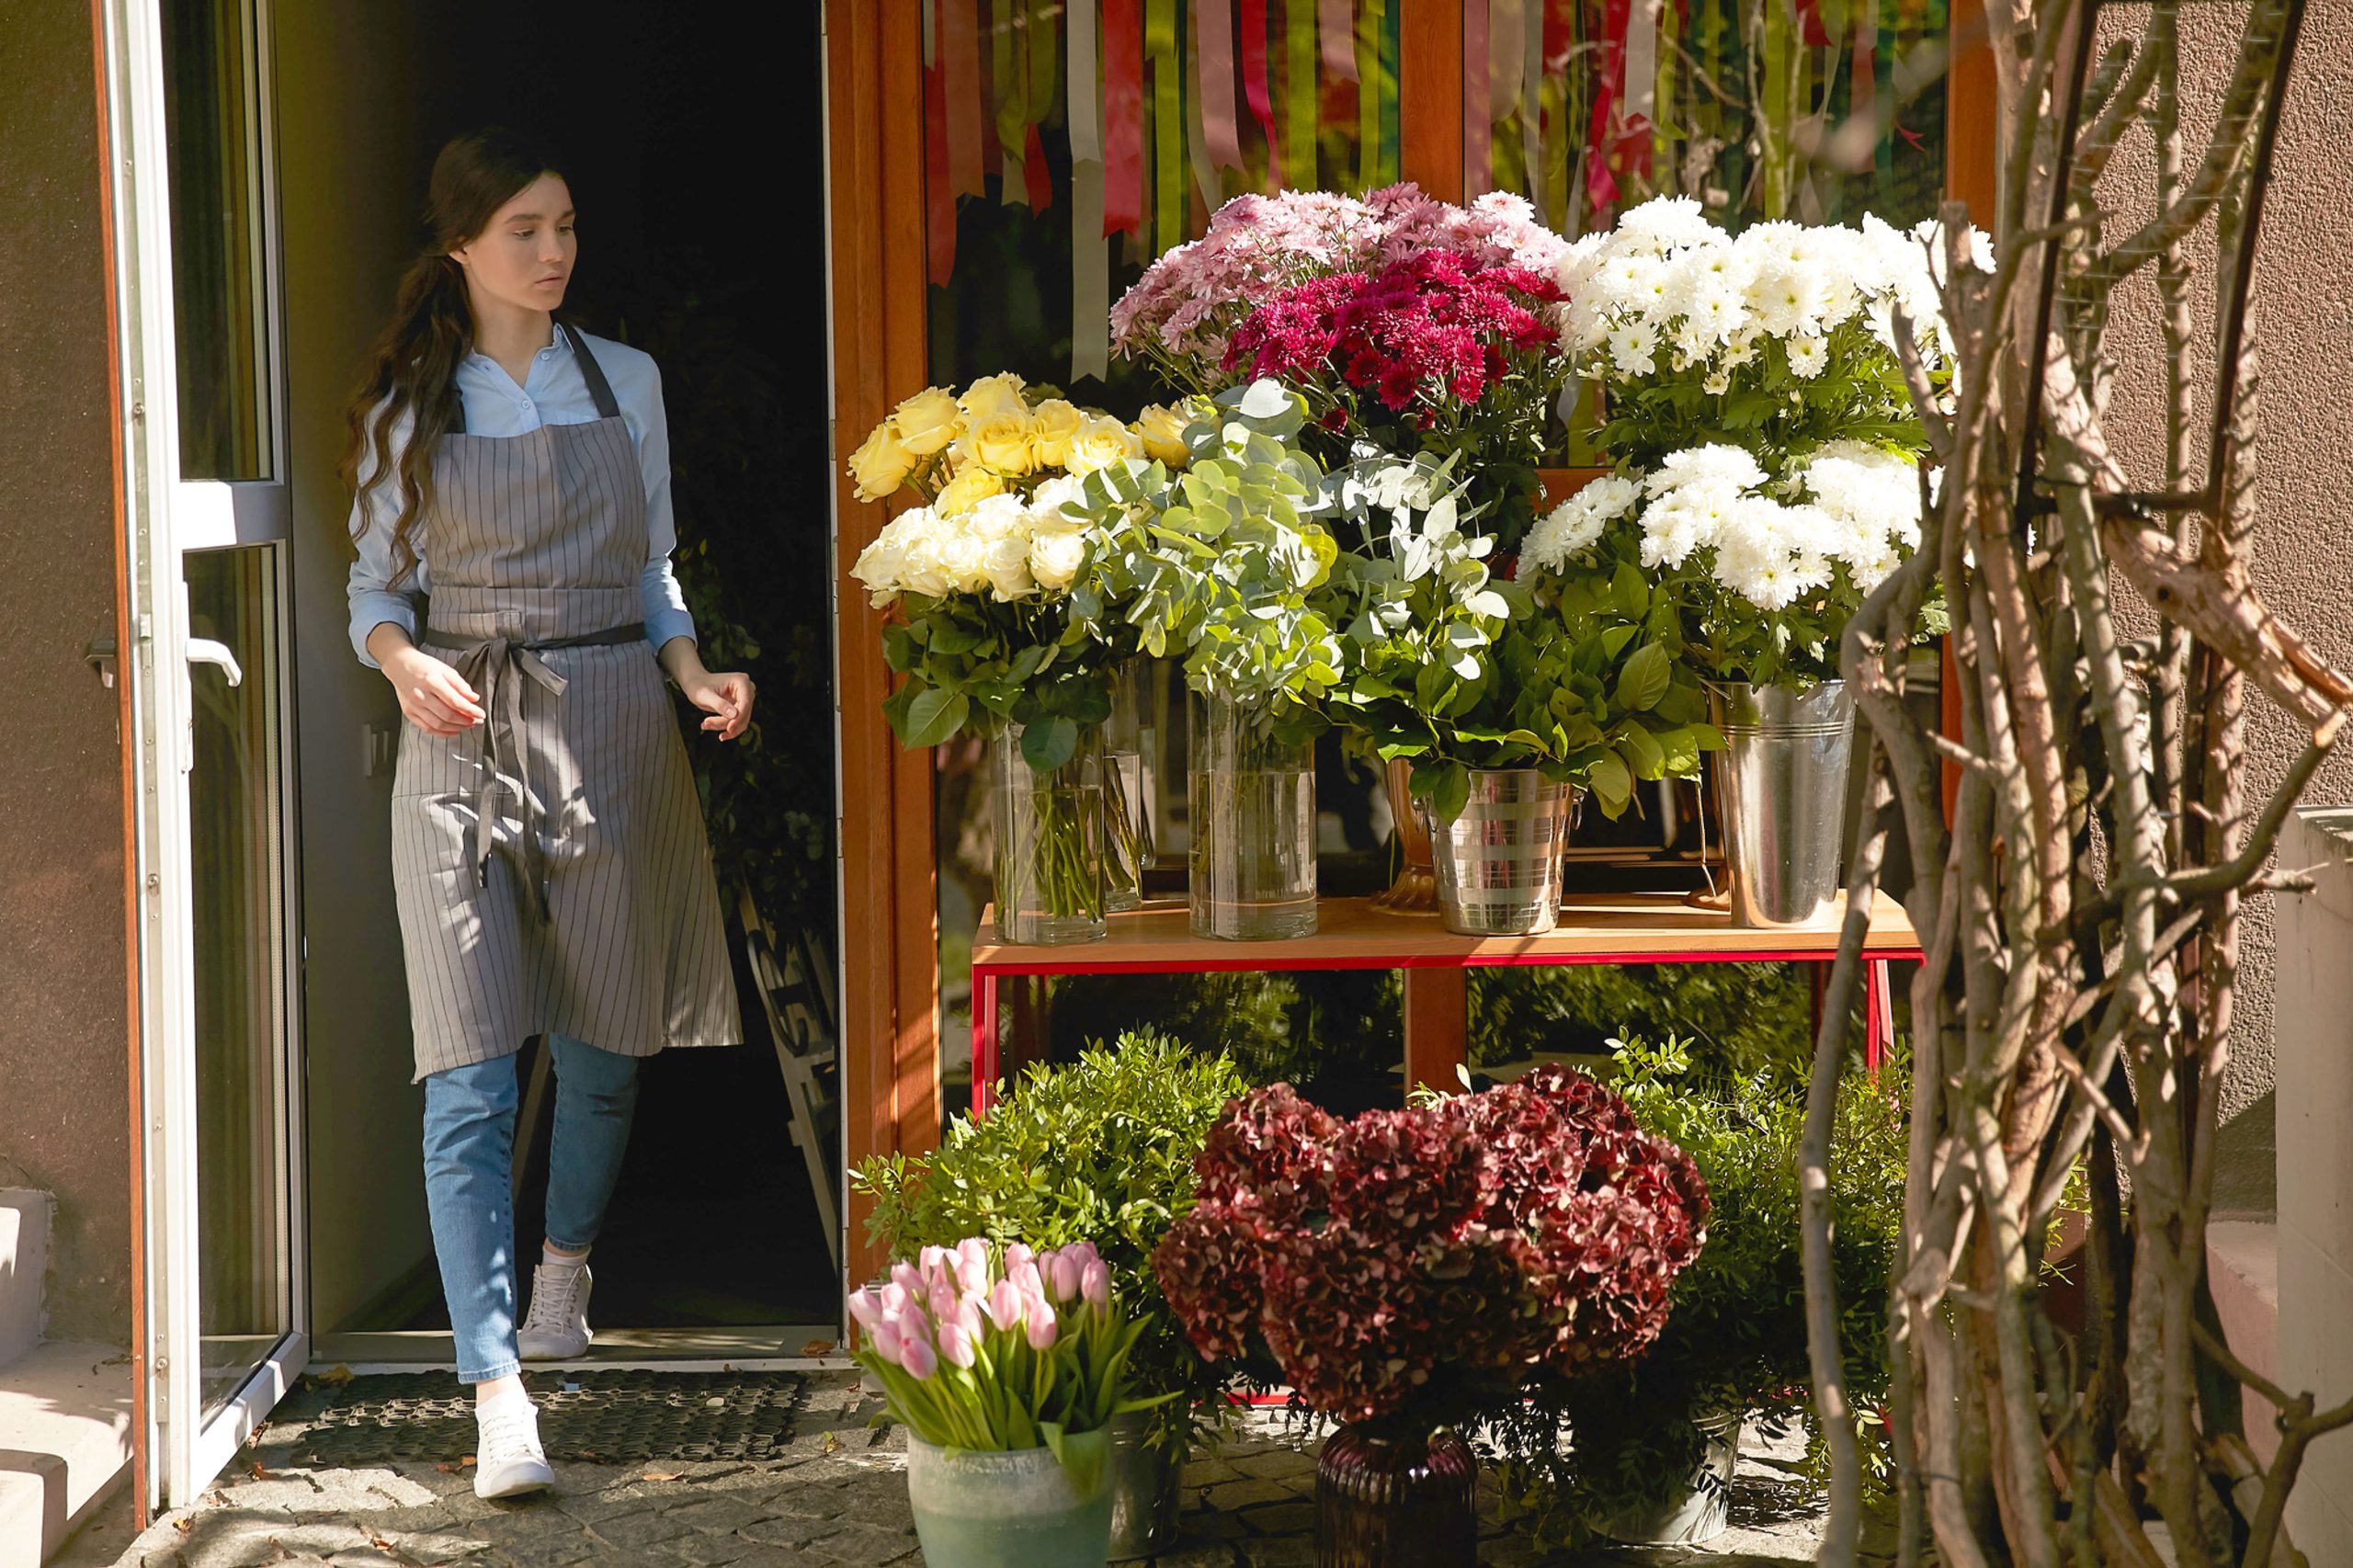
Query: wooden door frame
point(879, 316)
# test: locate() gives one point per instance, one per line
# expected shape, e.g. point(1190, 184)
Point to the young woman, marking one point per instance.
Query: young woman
point(549, 852)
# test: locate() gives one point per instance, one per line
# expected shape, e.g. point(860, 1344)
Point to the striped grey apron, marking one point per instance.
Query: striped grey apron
point(551, 863)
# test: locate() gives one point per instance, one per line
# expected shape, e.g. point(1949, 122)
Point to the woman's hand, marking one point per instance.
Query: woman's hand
point(434, 697)
point(726, 697)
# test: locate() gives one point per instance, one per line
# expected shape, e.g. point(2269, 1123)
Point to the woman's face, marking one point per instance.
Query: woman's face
point(524, 257)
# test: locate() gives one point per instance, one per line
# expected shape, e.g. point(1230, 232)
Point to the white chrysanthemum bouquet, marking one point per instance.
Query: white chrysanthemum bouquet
point(1767, 440)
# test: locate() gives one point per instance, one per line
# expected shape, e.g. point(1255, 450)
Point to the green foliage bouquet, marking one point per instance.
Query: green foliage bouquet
point(1101, 1151)
point(1227, 564)
point(1459, 671)
point(1735, 1342)
point(1766, 438)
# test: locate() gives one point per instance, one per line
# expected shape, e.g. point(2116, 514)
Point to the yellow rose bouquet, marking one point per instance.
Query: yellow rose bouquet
point(999, 437)
point(1006, 624)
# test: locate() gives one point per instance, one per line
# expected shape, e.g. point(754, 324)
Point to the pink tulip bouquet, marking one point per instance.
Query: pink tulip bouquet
point(985, 1351)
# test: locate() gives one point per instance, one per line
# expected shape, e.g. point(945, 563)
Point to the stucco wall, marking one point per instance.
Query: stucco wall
point(2302, 322)
point(64, 1075)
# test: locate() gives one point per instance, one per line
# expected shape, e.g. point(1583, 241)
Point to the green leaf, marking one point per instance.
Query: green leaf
point(1643, 752)
point(935, 716)
point(1644, 679)
point(1048, 745)
point(1611, 785)
point(1630, 591)
point(1450, 794)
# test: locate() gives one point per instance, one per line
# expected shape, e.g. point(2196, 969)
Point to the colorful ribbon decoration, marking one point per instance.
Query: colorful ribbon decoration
point(1196, 141)
point(1008, 92)
point(1339, 43)
point(1254, 84)
point(960, 56)
point(1301, 112)
point(938, 198)
point(1213, 31)
point(1372, 88)
point(1478, 121)
point(1167, 124)
point(1122, 117)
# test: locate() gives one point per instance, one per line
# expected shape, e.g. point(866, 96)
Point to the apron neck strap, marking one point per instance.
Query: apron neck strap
point(599, 389)
point(607, 406)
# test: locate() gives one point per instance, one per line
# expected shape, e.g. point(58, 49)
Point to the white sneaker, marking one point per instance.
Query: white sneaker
point(508, 1460)
point(557, 1328)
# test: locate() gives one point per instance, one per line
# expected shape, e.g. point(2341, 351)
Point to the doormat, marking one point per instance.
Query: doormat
point(618, 1415)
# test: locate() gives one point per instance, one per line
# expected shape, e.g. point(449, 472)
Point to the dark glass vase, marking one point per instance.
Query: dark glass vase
point(1395, 1493)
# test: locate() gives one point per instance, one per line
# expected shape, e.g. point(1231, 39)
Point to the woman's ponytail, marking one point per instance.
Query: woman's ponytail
point(411, 369)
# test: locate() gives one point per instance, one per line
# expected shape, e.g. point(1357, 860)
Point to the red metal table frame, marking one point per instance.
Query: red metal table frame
point(1611, 929)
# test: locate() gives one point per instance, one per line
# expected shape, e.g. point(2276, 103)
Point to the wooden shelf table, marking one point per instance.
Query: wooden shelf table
point(1611, 929)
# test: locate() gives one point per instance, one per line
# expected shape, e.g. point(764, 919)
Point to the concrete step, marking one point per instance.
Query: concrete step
point(24, 1266)
point(2243, 1270)
point(64, 1444)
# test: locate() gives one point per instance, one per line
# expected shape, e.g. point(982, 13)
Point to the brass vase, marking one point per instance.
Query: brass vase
point(1396, 1492)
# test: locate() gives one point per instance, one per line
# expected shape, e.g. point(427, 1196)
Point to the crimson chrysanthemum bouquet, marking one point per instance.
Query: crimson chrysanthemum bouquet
point(1430, 1256)
point(1411, 325)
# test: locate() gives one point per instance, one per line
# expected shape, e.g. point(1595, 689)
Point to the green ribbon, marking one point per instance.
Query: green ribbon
point(1302, 167)
point(1005, 77)
point(1370, 88)
point(1167, 123)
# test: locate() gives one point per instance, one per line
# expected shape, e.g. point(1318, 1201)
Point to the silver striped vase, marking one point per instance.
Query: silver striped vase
point(1498, 862)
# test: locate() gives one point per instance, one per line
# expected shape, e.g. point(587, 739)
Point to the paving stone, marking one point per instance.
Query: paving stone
point(1208, 1472)
point(862, 1545)
point(1208, 1554)
point(791, 1530)
point(1228, 1495)
point(1281, 1518)
point(1275, 1466)
point(632, 1530)
point(723, 1514)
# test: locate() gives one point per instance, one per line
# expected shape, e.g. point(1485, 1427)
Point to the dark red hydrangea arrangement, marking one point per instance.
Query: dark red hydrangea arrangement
point(1387, 1260)
point(1427, 337)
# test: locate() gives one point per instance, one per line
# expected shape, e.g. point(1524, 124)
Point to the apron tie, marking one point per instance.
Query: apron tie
point(497, 667)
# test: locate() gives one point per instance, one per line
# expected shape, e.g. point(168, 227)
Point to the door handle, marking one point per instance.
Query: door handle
point(205, 651)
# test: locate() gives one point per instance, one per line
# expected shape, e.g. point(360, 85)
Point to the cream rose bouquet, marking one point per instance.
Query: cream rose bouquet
point(1767, 474)
point(999, 437)
point(992, 637)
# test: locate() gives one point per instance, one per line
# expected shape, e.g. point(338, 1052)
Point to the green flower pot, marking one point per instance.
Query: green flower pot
point(1023, 1509)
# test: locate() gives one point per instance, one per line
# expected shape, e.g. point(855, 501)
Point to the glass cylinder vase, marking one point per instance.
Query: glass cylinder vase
point(1048, 843)
point(1128, 758)
point(1251, 797)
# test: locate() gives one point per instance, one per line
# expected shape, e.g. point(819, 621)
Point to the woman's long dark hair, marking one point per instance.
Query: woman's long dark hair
point(413, 368)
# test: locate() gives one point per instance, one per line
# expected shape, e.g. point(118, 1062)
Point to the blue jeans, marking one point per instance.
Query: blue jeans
point(468, 1183)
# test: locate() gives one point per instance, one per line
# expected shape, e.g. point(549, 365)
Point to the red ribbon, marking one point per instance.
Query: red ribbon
point(959, 63)
point(1254, 88)
point(1034, 181)
point(1122, 116)
point(1610, 82)
point(940, 202)
point(1817, 36)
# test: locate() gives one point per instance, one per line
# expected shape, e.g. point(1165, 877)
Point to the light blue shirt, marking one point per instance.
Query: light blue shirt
point(555, 392)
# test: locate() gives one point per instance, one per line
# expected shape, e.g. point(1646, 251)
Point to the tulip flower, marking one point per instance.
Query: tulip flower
point(885, 1339)
point(916, 1355)
point(894, 1298)
point(1043, 1327)
point(1016, 1255)
point(943, 1300)
point(968, 1318)
point(1063, 1278)
point(907, 1277)
point(1095, 1284)
point(1007, 1308)
point(866, 1306)
point(955, 1345)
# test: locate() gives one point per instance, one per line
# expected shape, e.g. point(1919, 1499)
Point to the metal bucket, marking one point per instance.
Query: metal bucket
point(1782, 794)
point(1699, 1511)
point(1146, 1499)
point(1498, 863)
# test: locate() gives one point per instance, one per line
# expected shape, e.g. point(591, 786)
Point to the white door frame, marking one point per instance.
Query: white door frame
point(165, 516)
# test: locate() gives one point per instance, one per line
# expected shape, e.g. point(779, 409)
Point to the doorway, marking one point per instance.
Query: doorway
point(287, 1219)
point(693, 142)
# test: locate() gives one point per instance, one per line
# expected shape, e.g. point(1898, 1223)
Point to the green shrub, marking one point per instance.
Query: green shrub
point(1736, 1339)
point(1099, 1150)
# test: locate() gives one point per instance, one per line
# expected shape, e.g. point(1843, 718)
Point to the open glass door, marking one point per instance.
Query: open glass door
point(225, 1323)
